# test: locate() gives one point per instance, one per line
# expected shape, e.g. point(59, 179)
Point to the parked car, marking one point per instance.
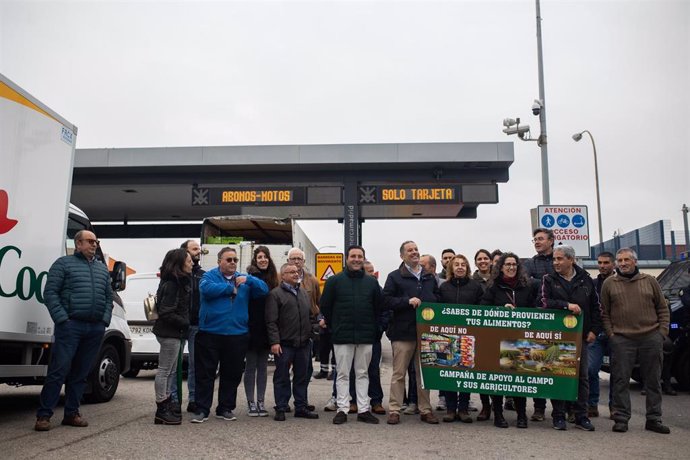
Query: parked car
point(673, 280)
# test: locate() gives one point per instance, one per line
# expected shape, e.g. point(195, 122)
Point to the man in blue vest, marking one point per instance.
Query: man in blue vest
point(80, 301)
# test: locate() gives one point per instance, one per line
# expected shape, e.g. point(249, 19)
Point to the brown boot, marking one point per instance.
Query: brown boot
point(429, 417)
point(464, 417)
point(378, 409)
point(75, 420)
point(485, 413)
point(393, 418)
point(449, 417)
point(42, 423)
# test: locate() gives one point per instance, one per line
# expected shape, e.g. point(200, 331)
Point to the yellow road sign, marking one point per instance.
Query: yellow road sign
point(327, 265)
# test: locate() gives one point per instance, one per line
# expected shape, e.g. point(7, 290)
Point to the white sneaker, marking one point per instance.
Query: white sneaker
point(331, 405)
point(441, 403)
point(411, 409)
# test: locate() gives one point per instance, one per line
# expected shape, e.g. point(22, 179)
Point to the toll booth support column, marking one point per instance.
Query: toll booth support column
point(352, 224)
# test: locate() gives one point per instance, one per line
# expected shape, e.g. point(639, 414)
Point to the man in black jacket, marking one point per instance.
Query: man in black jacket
point(405, 289)
point(571, 288)
point(289, 330)
point(539, 265)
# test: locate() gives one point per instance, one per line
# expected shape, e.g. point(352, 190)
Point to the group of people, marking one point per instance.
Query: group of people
point(233, 320)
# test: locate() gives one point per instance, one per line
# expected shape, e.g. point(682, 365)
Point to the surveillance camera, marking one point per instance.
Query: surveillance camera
point(536, 107)
point(519, 130)
point(508, 122)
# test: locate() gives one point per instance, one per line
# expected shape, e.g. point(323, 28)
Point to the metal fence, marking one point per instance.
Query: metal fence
point(655, 241)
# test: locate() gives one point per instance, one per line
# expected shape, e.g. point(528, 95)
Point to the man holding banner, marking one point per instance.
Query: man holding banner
point(571, 288)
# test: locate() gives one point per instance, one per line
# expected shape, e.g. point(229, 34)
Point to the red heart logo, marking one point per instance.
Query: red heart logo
point(6, 224)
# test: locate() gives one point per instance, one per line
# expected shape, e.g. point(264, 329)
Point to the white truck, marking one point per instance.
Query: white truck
point(37, 225)
point(244, 233)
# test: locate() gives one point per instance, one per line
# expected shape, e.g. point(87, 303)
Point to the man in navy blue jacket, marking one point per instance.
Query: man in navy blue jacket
point(223, 335)
point(80, 301)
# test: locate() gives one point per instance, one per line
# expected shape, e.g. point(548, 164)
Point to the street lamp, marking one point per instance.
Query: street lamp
point(576, 138)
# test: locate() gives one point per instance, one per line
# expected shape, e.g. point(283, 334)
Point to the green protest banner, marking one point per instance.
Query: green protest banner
point(497, 350)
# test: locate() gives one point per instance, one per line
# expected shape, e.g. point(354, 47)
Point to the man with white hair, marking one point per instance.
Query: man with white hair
point(571, 288)
point(636, 320)
point(307, 281)
point(310, 285)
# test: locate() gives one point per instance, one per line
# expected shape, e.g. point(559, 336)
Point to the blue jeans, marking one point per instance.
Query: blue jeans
point(299, 357)
point(191, 374)
point(375, 391)
point(596, 351)
point(76, 346)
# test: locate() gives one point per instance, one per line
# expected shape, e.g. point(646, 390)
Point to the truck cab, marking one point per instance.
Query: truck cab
point(115, 354)
point(244, 233)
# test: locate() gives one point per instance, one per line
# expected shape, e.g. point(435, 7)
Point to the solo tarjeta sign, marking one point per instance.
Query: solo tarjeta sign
point(497, 350)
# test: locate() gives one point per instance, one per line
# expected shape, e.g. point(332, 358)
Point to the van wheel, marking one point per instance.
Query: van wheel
point(105, 377)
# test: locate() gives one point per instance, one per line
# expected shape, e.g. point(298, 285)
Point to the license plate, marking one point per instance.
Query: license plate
point(140, 329)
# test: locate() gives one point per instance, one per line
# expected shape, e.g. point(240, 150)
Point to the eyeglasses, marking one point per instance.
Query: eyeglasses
point(233, 260)
point(295, 259)
point(534, 240)
point(90, 241)
point(290, 272)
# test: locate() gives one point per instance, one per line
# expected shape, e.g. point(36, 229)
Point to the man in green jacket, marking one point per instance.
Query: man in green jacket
point(350, 306)
point(80, 301)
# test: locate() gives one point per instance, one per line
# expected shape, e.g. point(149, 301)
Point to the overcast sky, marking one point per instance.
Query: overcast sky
point(145, 74)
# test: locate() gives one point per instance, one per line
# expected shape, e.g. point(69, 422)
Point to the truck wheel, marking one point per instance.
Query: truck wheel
point(131, 373)
point(105, 376)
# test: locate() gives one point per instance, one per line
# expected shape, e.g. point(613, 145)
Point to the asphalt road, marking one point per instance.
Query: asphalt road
point(124, 429)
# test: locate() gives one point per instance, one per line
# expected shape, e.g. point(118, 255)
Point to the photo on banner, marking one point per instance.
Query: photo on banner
point(498, 350)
